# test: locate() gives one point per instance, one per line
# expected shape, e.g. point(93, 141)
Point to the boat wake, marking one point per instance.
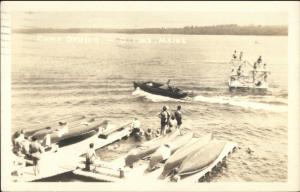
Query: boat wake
point(268, 103)
point(243, 102)
point(155, 98)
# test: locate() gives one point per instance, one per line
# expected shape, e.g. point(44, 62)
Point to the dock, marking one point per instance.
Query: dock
point(66, 159)
point(139, 170)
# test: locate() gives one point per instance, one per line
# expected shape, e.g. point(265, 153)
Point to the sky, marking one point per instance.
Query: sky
point(141, 14)
point(140, 19)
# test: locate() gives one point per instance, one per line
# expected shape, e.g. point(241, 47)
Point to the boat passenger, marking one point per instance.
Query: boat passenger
point(63, 129)
point(234, 55)
point(178, 116)
point(148, 134)
point(164, 120)
point(136, 128)
point(167, 85)
point(36, 150)
point(157, 133)
point(18, 142)
point(239, 71)
point(47, 141)
point(91, 157)
point(259, 60)
point(241, 55)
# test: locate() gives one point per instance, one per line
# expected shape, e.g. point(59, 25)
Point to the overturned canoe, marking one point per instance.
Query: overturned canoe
point(52, 124)
point(40, 134)
point(80, 129)
point(176, 159)
point(148, 148)
point(161, 153)
point(195, 162)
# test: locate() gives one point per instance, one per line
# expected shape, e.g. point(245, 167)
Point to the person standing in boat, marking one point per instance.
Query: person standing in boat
point(178, 117)
point(164, 120)
point(241, 55)
point(259, 61)
point(234, 55)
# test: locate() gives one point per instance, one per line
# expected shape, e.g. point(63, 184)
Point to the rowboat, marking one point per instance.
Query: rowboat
point(160, 89)
point(148, 148)
point(198, 160)
point(176, 159)
point(164, 152)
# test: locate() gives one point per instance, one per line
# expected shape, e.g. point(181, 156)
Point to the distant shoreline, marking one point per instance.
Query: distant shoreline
point(188, 30)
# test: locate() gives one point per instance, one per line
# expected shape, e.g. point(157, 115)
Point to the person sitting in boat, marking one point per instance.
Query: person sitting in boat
point(239, 71)
point(47, 142)
point(91, 157)
point(63, 129)
point(241, 55)
point(36, 150)
point(234, 55)
point(148, 134)
point(150, 84)
point(167, 85)
point(157, 133)
point(136, 128)
point(18, 142)
point(259, 60)
point(164, 120)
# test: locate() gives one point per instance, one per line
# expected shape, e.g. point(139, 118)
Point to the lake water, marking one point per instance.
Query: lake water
point(54, 75)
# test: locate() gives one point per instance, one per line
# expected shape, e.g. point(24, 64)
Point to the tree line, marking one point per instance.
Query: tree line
point(190, 30)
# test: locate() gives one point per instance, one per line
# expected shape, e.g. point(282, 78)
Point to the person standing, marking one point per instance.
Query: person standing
point(178, 117)
point(36, 150)
point(91, 157)
point(234, 55)
point(163, 120)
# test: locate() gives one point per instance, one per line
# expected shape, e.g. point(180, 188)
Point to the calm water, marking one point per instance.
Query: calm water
point(54, 75)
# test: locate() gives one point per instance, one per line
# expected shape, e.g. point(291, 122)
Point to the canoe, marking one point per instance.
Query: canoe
point(51, 124)
point(43, 132)
point(148, 148)
point(176, 159)
point(195, 162)
point(80, 129)
point(160, 154)
point(160, 89)
point(110, 128)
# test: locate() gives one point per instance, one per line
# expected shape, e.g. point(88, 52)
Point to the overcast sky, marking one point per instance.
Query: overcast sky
point(109, 19)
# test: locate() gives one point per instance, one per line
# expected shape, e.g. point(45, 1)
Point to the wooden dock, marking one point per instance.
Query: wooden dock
point(67, 158)
point(139, 171)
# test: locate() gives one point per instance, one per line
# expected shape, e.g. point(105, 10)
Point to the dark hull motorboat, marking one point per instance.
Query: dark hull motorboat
point(160, 89)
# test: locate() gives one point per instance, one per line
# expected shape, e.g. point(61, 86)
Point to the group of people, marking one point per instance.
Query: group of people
point(167, 120)
point(234, 56)
point(31, 148)
point(28, 148)
point(257, 66)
